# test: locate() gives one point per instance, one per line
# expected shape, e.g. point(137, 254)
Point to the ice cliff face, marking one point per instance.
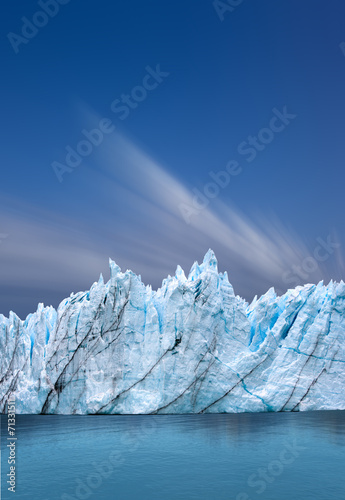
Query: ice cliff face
point(190, 347)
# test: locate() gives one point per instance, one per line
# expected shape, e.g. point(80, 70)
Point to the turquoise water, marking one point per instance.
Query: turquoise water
point(271, 456)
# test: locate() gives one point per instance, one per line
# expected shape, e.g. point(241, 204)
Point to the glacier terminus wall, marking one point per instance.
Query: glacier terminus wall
point(192, 346)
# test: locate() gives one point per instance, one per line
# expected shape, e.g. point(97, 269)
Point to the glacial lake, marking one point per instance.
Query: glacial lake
point(268, 456)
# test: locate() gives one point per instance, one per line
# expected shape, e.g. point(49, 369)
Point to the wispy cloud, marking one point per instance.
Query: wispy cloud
point(261, 247)
point(137, 222)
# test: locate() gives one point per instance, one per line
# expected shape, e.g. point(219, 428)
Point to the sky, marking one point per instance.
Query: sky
point(149, 132)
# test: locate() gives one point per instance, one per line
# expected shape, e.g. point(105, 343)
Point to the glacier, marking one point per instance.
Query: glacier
point(192, 346)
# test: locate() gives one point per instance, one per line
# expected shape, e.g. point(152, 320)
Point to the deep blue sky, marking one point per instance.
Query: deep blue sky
point(122, 201)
